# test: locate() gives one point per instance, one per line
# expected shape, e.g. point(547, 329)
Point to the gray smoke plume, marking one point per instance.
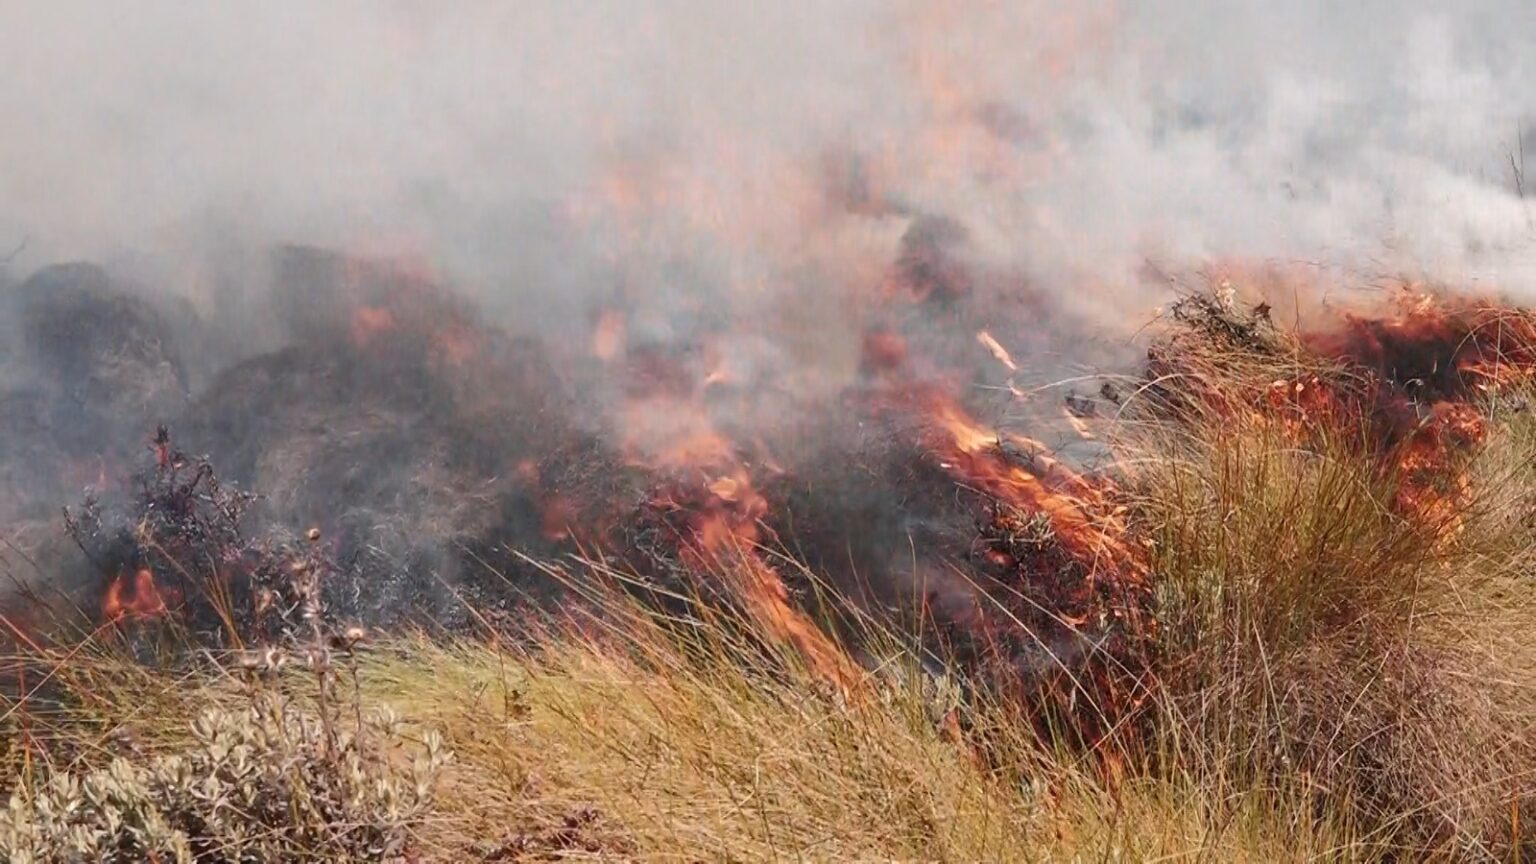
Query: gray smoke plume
point(550, 152)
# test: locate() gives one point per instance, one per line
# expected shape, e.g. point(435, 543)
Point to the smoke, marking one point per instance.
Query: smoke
point(549, 153)
point(692, 234)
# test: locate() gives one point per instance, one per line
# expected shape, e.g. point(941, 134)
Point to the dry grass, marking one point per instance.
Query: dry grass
point(683, 766)
point(581, 751)
point(1310, 632)
point(632, 738)
point(1314, 632)
point(1338, 682)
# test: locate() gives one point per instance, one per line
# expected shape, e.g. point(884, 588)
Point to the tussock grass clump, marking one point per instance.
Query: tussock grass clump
point(1318, 623)
point(1307, 630)
point(686, 743)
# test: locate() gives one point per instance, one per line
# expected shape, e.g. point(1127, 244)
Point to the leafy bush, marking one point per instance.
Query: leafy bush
point(266, 783)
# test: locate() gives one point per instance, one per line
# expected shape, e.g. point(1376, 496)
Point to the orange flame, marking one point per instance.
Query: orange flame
point(723, 531)
point(1407, 388)
point(1080, 511)
point(135, 597)
point(728, 533)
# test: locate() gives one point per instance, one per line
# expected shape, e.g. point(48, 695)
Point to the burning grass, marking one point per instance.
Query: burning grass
point(641, 740)
point(1293, 622)
point(1339, 551)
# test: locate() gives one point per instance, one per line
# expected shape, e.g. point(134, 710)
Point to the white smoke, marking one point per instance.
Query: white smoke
point(551, 152)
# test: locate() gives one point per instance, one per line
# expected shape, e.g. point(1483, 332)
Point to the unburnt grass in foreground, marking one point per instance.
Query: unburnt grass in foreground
point(1332, 659)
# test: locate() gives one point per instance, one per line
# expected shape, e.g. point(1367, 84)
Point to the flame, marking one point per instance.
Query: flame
point(1020, 472)
point(1422, 448)
point(1098, 580)
point(135, 597)
point(609, 336)
point(1427, 364)
point(997, 350)
point(371, 322)
point(725, 540)
point(722, 512)
point(1404, 389)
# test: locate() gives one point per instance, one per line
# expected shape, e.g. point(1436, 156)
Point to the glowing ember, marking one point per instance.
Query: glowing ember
point(371, 322)
point(609, 336)
point(997, 350)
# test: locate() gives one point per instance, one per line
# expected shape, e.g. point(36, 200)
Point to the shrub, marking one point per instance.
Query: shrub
point(266, 783)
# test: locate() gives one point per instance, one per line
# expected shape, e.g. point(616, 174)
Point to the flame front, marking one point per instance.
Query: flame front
point(1021, 472)
point(678, 469)
point(725, 540)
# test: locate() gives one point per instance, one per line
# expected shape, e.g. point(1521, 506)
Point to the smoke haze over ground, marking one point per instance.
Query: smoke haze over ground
point(688, 234)
point(1148, 379)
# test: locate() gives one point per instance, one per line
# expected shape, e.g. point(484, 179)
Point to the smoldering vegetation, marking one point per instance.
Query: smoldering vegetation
point(437, 452)
point(736, 379)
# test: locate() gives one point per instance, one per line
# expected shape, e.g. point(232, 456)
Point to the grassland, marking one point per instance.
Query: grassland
point(1337, 681)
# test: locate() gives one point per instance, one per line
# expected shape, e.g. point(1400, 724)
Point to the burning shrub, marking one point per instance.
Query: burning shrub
point(274, 780)
point(177, 545)
point(1318, 561)
point(266, 783)
point(1403, 391)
